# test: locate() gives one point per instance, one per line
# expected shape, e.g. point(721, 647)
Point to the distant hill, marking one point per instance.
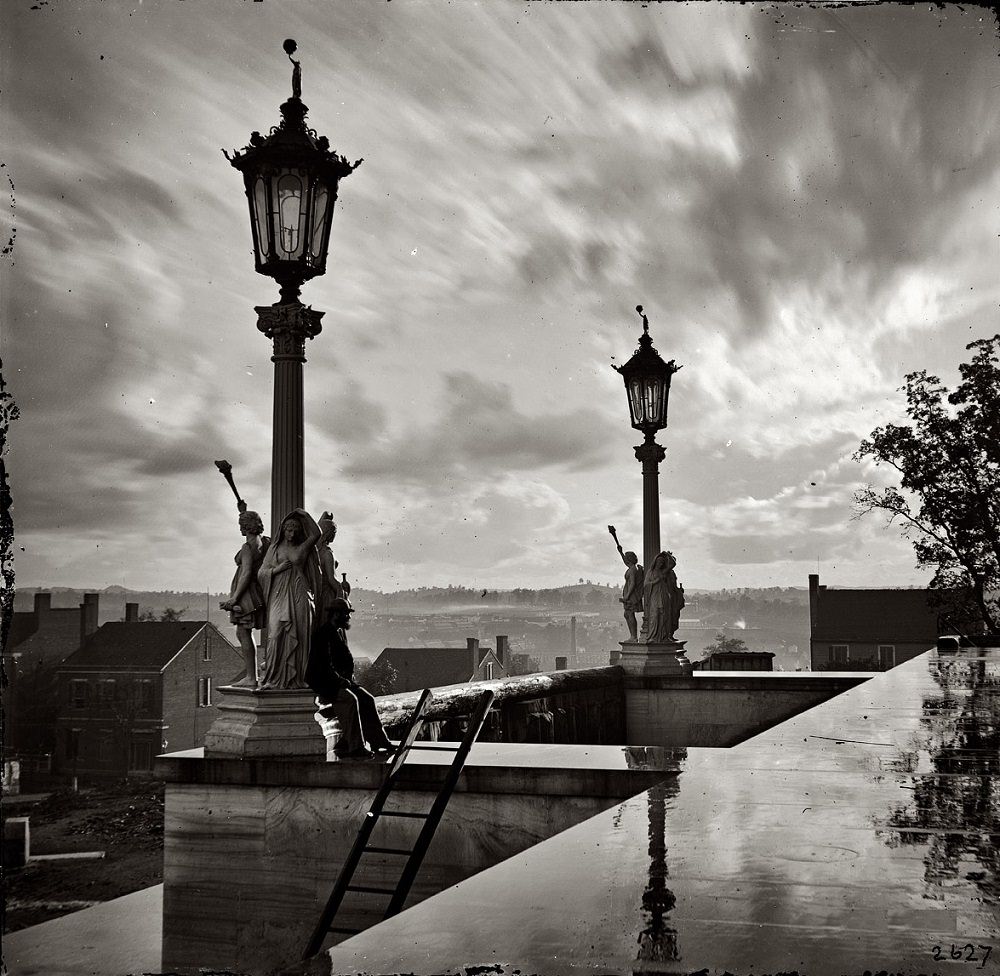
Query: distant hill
point(575, 596)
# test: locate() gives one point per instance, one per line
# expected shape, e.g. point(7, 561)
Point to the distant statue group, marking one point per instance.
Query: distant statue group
point(290, 586)
point(655, 593)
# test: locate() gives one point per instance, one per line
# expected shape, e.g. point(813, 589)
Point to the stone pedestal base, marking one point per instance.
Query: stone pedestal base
point(268, 724)
point(654, 660)
point(334, 720)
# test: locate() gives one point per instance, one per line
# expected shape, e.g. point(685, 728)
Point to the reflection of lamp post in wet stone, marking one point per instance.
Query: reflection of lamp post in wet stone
point(291, 179)
point(658, 940)
point(647, 385)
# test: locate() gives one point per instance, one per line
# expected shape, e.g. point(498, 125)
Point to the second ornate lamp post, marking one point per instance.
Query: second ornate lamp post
point(647, 383)
point(291, 178)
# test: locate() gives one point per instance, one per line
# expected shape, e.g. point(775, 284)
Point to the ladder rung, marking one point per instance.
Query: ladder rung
point(432, 818)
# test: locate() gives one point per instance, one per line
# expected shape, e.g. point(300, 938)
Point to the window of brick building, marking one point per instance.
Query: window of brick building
point(106, 690)
point(78, 693)
point(839, 653)
point(144, 694)
point(886, 655)
point(204, 692)
point(140, 754)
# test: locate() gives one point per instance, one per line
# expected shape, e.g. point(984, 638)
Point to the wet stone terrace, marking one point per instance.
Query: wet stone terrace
point(861, 835)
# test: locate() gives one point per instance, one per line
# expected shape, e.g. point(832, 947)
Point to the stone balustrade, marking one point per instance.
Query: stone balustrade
point(585, 706)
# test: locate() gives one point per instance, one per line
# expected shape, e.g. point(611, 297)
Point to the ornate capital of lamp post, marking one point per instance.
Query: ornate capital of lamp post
point(291, 178)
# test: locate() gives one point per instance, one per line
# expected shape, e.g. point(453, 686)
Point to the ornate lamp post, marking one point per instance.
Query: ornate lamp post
point(291, 178)
point(647, 383)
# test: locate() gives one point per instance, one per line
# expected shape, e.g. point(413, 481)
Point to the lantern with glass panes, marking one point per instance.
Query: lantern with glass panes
point(647, 383)
point(291, 179)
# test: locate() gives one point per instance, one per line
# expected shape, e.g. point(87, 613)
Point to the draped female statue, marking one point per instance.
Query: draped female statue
point(663, 599)
point(290, 580)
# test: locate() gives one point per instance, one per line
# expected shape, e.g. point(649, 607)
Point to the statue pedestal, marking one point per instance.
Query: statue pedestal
point(335, 720)
point(267, 724)
point(654, 660)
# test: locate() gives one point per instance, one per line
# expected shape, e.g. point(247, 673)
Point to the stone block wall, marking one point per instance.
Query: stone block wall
point(717, 709)
point(248, 867)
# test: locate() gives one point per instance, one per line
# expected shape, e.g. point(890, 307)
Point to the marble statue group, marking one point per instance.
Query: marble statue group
point(655, 593)
point(290, 586)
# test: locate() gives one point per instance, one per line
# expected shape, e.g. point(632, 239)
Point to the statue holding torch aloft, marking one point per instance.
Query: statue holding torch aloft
point(246, 605)
point(631, 598)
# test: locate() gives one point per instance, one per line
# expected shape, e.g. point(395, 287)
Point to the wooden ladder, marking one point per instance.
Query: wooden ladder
point(431, 819)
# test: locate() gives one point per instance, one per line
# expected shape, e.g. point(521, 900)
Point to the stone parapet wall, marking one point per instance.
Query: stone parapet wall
point(584, 706)
point(721, 709)
point(252, 848)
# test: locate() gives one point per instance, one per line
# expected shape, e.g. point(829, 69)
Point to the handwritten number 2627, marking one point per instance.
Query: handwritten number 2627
point(966, 953)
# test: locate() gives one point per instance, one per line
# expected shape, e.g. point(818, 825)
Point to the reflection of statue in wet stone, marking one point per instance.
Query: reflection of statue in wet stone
point(663, 598)
point(631, 597)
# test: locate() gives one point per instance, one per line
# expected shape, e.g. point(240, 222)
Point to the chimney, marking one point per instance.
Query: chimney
point(813, 601)
point(43, 603)
point(131, 613)
point(560, 663)
point(503, 650)
point(472, 646)
point(572, 637)
point(88, 615)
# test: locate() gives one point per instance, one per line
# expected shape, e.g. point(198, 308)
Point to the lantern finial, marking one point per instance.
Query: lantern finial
point(645, 321)
point(289, 47)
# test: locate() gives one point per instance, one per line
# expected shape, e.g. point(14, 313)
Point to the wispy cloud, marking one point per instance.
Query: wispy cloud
point(804, 199)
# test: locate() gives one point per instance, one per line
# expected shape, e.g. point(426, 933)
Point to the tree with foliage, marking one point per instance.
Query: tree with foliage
point(725, 645)
point(125, 709)
point(948, 498)
point(169, 615)
point(377, 678)
point(32, 701)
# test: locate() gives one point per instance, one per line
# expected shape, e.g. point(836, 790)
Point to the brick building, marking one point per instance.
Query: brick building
point(47, 635)
point(136, 689)
point(434, 667)
point(38, 641)
point(871, 629)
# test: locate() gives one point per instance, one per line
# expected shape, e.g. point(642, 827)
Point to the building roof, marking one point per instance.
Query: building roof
point(22, 625)
point(50, 638)
point(146, 644)
point(892, 616)
point(431, 667)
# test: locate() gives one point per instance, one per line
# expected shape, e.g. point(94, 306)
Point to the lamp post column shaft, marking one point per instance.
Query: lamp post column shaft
point(288, 324)
point(287, 448)
point(650, 511)
point(650, 454)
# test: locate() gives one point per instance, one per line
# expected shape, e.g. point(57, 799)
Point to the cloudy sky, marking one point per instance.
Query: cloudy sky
point(806, 202)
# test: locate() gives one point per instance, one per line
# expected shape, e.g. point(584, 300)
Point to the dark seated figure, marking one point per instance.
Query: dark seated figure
point(330, 673)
